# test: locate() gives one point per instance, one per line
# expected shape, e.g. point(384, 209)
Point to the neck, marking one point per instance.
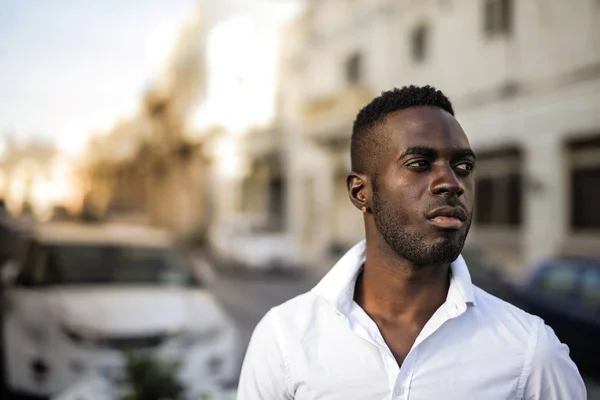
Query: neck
point(391, 288)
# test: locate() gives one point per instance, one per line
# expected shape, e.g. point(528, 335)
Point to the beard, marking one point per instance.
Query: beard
point(411, 245)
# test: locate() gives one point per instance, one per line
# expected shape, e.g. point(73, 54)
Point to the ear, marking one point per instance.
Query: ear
point(359, 190)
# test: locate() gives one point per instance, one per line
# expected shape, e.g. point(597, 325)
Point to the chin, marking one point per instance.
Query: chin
point(449, 237)
point(446, 250)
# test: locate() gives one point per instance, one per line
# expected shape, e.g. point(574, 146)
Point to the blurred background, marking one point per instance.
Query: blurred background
point(223, 126)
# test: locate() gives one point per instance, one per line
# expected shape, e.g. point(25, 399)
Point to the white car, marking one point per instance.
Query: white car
point(266, 252)
point(85, 294)
point(256, 249)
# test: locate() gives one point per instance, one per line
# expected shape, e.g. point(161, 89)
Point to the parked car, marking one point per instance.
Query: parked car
point(246, 248)
point(565, 293)
point(13, 233)
point(85, 294)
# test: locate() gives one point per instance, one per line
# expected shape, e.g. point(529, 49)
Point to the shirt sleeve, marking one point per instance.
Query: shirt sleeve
point(264, 373)
point(553, 375)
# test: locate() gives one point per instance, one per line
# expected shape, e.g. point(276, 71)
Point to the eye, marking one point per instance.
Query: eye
point(466, 167)
point(418, 164)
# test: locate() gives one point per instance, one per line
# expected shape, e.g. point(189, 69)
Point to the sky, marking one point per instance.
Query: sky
point(69, 68)
point(72, 68)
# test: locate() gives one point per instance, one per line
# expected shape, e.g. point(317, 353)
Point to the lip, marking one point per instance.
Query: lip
point(451, 223)
point(452, 218)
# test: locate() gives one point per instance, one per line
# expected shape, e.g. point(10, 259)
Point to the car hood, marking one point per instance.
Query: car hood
point(132, 310)
point(264, 248)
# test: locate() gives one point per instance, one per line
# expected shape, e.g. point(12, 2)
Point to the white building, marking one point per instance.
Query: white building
point(524, 77)
point(235, 119)
point(324, 83)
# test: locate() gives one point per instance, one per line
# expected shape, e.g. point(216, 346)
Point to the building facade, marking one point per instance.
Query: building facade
point(524, 78)
point(26, 170)
point(330, 69)
point(149, 163)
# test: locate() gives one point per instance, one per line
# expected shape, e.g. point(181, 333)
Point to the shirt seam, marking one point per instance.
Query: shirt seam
point(278, 330)
point(529, 356)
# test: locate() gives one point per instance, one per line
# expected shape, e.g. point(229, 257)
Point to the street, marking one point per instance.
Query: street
point(248, 299)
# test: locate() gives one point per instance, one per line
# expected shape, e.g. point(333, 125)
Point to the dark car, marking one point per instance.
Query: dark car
point(565, 293)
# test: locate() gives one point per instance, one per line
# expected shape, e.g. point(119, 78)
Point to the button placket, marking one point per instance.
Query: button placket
point(404, 377)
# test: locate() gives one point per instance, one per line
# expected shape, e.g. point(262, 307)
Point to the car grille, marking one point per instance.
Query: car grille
point(133, 343)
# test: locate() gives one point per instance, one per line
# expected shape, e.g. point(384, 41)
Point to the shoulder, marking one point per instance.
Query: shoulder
point(548, 371)
point(297, 318)
point(505, 313)
point(507, 326)
point(301, 311)
point(545, 357)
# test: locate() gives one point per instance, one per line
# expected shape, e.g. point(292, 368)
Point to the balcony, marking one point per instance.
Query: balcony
point(262, 142)
point(329, 119)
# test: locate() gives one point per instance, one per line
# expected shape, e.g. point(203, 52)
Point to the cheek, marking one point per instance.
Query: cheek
point(468, 197)
point(411, 194)
point(405, 203)
point(400, 194)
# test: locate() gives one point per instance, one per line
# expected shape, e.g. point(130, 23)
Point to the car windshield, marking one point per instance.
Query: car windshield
point(92, 264)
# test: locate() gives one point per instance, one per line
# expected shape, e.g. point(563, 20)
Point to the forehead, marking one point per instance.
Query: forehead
point(425, 126)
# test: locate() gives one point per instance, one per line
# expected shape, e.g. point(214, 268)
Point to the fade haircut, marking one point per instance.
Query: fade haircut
point(364, 148)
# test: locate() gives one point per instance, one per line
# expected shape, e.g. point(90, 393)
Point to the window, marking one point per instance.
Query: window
point(75, 264)
point(585, 197)
point(590, 288)
point(419, 40)
point(354, 69)
point(559, 281)
point(585, 184)
point(498, 189)
point(30, 273)
point(277, 199)
point(497, 17)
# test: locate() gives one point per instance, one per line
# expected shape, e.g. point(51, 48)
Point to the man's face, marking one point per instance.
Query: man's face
point(423, 188)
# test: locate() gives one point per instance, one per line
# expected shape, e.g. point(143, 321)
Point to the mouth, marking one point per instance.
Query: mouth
point(449, 218)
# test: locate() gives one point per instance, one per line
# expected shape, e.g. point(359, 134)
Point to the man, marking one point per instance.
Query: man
point(398, 317)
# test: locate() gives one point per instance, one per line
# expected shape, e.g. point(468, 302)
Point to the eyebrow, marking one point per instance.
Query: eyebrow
point(432, 153)
point(464, 153)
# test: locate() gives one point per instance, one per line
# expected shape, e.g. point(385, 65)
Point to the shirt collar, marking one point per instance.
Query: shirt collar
point(337, 286)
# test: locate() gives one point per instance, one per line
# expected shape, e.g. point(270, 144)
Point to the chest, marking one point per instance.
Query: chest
point(399, 338)
point(342, 363)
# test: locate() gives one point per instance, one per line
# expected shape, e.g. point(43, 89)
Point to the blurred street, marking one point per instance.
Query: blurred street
point(134, 134)
point(248, 299)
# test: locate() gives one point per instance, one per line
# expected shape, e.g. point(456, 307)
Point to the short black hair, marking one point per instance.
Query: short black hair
point(376, 111)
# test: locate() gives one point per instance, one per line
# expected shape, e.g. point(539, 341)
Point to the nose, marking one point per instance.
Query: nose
point(445, 182)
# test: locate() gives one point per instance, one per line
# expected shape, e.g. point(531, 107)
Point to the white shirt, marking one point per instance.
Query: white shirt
point(322, 345)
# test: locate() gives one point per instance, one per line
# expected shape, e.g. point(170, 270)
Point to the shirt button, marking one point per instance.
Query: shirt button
point(399, 391)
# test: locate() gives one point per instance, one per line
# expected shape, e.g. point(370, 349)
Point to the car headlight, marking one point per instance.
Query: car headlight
point(78, 338)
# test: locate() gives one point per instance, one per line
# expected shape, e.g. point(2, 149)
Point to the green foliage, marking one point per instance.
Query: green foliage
point(151, 379)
